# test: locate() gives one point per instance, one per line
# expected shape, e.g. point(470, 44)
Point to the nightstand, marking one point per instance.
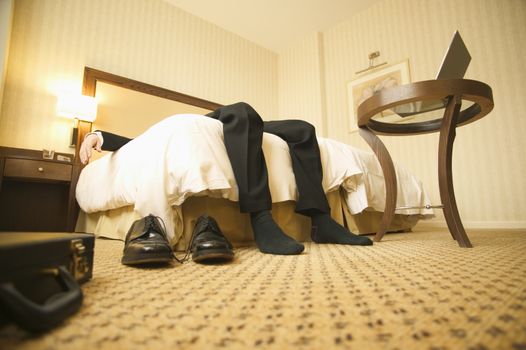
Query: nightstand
point(37, 194)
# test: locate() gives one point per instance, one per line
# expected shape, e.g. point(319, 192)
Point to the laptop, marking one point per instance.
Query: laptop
point(454, 66)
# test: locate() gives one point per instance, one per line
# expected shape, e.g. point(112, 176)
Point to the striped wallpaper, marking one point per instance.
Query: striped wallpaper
point(6, 18)
point(300, 78)
point(489, 162)
point(146, 40)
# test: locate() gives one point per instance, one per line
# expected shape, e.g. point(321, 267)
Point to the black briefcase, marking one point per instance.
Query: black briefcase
point(40, 273)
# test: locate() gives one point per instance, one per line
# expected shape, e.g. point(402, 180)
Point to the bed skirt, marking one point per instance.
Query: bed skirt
point(115, 223)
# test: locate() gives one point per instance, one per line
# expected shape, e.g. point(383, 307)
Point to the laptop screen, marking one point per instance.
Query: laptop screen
point(456, 60)
point(454, 66)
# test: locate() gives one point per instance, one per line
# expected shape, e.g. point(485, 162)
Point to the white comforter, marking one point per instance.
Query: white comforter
point(184, 155)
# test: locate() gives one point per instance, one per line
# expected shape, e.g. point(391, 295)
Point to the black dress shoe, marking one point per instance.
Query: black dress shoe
point(146, 242)
point(208, 243)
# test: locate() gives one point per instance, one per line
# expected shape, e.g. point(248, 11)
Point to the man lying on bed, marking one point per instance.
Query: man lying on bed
point(243, 133)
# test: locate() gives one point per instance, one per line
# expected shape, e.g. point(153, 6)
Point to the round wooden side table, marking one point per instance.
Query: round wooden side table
point(452, 92)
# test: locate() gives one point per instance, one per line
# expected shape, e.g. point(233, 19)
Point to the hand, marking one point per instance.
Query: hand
point(92, 141)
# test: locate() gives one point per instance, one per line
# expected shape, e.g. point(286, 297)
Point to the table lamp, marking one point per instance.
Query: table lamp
point(83, 109)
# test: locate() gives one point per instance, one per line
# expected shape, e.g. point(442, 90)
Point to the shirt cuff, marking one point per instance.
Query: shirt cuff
point(99, 135)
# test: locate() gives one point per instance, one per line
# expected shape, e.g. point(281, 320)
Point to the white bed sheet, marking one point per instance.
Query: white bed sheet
point(184, 155)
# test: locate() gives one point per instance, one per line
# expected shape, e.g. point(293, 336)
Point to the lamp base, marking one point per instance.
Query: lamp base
point(83, 128)
point(74, 137)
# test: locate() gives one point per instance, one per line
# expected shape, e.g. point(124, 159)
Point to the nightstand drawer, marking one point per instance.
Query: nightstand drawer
point(35, 169)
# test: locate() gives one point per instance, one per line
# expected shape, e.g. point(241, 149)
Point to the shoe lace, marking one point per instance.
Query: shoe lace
point(150, 224)
point(208, 224)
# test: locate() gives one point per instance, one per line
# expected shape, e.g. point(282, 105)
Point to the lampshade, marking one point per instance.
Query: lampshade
point(77, 106)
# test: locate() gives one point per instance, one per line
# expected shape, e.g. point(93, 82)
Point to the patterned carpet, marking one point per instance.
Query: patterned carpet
point(411, 291)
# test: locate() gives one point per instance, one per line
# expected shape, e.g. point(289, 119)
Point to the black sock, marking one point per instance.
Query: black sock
point(326, 230)
point(270, 238)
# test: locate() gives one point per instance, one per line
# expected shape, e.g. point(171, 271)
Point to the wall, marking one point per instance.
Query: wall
point(146, 40)
point(301, 82)
point(488, 159)
point(6, 18)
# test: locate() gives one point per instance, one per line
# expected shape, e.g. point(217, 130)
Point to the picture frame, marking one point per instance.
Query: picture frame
point(369, 83)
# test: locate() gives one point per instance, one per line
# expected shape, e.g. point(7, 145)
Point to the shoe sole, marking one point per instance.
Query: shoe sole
point(153, 259)
point(213, 255)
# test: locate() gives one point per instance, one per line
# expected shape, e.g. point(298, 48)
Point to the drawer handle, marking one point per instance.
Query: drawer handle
point(40, 169)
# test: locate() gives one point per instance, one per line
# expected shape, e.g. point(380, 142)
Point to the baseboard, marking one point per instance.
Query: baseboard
point(431, 224)
point(515, 225)
point(496, 224)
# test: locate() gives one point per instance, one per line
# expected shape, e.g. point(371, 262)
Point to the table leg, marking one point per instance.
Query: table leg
point(389, 176)
point(445, 174)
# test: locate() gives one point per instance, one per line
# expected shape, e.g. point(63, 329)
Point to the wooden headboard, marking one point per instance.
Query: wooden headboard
point(94, 76)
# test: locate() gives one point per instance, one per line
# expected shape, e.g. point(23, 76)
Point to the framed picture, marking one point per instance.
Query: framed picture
point(365, 86)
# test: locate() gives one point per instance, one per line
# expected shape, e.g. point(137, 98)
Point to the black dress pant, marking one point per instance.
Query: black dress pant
point(243, 133)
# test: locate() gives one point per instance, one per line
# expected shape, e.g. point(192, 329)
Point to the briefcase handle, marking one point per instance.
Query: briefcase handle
point(40, 317)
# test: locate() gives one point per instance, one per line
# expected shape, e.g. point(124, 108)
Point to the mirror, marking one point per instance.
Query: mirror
point(128, 107)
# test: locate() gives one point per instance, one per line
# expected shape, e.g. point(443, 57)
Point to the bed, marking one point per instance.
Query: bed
point(192, 174)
